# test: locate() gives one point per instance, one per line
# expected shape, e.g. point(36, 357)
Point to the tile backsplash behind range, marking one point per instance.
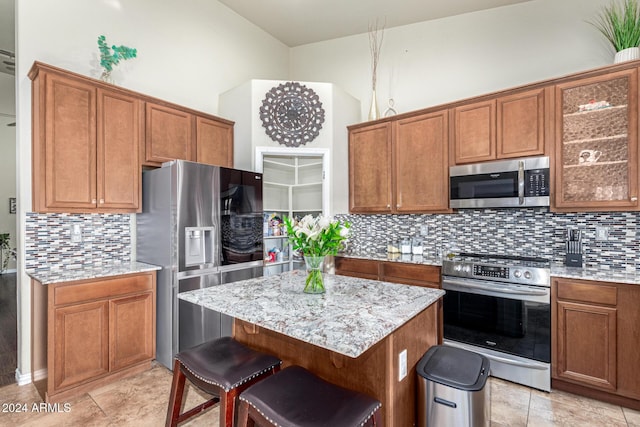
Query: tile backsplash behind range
point(106, 239)
point(521, 232)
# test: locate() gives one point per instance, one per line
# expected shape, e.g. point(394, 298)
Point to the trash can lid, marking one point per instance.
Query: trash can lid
point(454, 367)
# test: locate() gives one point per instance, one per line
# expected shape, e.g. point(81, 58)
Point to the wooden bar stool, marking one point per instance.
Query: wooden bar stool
point(222, 368)
point(294, 397)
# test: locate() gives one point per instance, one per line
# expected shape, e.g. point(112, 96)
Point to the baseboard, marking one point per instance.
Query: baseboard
point(10, 270)
point(23, 379)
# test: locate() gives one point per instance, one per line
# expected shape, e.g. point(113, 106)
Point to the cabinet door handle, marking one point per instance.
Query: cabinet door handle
point(93, 200)
point(101, 201)
point(398, 205)
point(388, 206)
point(634, 199)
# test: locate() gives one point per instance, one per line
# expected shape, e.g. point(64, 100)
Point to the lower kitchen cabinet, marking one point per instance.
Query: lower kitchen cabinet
point(87, 333)
point(595, 340)
point(390, 271)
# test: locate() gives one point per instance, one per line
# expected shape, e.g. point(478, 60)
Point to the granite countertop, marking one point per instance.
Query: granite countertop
point(352, 316)
point(595, 273)
point(425, 259)
point(48, 277)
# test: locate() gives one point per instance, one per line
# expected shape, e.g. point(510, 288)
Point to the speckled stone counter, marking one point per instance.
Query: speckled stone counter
point(48, 277)
point(353, 314)
point(425, 259)
point(595, 273)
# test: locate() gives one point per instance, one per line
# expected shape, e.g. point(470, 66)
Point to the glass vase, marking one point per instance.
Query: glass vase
point(314, 283)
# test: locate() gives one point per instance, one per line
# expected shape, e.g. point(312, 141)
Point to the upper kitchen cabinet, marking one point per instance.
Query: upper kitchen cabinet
point(596, 165)
point(214, 142)
point(400, 166)
point(475, 132)
point(508, 126)
point(174, 133)
point(370, 169)
point(85, 145)
point(421, 163)
point(169, 134)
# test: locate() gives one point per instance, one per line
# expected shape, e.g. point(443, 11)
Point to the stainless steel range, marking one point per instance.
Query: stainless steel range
point(500, 306)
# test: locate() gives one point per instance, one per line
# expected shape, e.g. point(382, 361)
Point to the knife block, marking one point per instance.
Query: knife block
point(573, 260)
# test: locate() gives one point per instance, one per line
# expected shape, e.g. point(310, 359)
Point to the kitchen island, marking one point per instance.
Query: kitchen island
point(362, 334)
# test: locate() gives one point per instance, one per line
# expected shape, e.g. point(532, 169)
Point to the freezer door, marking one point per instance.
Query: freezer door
point(197, 324)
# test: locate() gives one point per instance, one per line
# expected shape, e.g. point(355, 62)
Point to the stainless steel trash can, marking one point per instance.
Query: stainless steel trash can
point(451, 388)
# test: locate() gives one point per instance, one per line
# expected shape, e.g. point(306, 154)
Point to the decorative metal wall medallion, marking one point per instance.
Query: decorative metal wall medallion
point(292, 114)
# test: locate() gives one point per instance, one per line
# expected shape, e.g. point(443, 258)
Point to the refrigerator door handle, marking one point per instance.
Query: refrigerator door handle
point(197, 273)
point(241, 266)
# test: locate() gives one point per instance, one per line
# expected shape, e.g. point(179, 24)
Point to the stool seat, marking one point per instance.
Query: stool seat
point(222, 368)
point(294, 397)
point(225, 363)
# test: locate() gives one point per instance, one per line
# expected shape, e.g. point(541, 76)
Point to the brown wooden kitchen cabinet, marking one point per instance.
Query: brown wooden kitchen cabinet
point(594, 339)
point(214, 142)
point(389, 271)
point(370, 169)
point(596, 131)
point(169, 134)
point(87, 333)
point(400, 166)
point(176, 133)
point(91, 138)
point(85, 139)
point(509, 126)
point(421, 163)
point(357, 267)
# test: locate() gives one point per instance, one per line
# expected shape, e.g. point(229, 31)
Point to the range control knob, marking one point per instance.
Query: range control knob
point(467, 269)
point(527, 275)
point(517, 274)
point(457, 267)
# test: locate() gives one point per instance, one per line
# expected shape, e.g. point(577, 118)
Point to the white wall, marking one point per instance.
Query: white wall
point(242, 104)
point(436, 62)
point(8, 156)
point(189, 51)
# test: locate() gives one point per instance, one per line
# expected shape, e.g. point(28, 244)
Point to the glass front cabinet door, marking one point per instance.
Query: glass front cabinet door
point(597, 143)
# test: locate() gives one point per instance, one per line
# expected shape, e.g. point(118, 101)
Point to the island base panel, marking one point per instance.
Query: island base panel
point(375, 372)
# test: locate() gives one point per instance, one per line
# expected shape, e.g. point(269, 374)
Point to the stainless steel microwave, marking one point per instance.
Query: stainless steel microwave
point(500, 184)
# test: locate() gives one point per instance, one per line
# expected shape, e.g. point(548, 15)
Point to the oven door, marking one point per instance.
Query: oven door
point(504, 317)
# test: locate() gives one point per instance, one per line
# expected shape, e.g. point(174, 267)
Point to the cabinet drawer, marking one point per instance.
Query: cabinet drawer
point(362, 266)
point(411, 274)
point(594, 292)
point(103, 288)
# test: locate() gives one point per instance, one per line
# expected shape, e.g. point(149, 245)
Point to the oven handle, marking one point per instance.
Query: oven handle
point(530, 365)
point(501, 289)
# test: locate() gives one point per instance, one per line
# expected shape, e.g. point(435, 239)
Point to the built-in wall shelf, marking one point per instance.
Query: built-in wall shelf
point(294, 185)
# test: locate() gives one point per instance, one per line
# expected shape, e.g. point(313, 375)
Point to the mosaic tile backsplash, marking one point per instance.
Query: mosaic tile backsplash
point(106, 239)
point(521, 232)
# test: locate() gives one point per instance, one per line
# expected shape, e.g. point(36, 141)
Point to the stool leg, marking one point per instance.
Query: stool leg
point(243, 415)
point(175, 398)
point(228, 407)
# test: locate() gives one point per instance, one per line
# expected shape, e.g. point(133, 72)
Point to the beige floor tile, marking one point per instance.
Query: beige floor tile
point(509, 403)
point(561, 408)
point(633, 417)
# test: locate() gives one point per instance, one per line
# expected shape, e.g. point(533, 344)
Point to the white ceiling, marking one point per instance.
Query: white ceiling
point(298, 22)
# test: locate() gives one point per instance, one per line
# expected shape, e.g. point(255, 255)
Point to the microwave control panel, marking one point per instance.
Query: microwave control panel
point(536, 182)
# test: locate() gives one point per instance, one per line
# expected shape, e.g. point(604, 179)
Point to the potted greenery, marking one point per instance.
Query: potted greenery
point(620, 24)
point(111, 56)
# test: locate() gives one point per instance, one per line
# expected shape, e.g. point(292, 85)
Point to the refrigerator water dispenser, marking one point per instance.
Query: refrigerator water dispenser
point(198, 244)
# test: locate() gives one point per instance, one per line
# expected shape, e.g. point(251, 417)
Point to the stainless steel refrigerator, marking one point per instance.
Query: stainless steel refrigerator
point(203, 225)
